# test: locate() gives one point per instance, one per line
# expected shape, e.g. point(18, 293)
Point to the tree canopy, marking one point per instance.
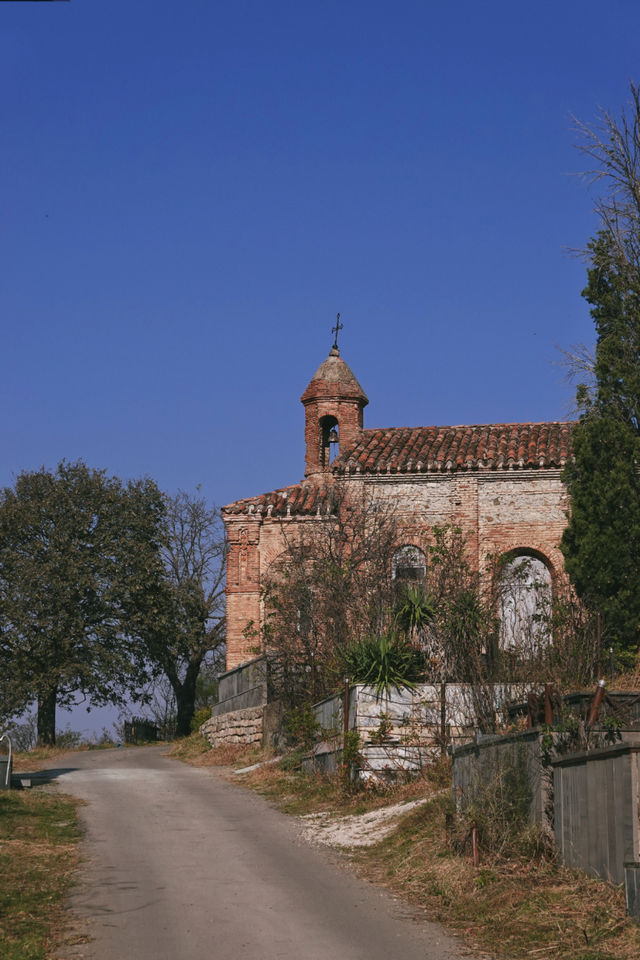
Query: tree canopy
point(79, 551)
point(601, 544)
point(602, 541)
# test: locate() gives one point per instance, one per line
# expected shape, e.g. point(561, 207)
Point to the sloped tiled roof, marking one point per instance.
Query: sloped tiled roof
point(301, 500)
point(494, 446)
point(425, 450)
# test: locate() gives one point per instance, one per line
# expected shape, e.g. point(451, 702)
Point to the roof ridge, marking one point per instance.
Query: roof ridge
point(472, 426)
point(411, 451)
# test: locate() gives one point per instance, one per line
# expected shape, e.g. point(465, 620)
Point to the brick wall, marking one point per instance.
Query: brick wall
point(243, 588)
point(349, 417)
point(499, 511)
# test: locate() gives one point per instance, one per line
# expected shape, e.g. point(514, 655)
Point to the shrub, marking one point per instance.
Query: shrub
point(302, 726)
point(383, 662)
point(200, 717)
point(68, 739)
point(501, 810)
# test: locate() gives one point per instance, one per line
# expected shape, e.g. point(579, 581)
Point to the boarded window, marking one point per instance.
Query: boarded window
point(409, 563)
point(525, 604)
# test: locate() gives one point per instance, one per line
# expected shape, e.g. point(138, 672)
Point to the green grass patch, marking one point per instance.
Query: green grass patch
point(39, 831)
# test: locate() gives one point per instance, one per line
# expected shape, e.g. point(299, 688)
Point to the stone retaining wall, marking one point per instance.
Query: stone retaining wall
point(240, 727)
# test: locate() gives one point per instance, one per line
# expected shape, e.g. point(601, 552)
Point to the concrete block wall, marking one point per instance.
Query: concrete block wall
point(413, 732)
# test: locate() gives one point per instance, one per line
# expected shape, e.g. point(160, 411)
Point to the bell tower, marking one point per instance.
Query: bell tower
point(333, 404)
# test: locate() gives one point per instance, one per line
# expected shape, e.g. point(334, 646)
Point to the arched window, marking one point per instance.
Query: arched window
point(409, 564)
point(525, 604)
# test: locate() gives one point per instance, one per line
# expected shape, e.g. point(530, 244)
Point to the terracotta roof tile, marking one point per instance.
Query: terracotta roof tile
point(402, 450)
point(496, 446)
point(301, 500)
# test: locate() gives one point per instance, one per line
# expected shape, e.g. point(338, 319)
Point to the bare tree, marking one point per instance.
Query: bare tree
point(612, 145)
point(505, 631)
point(331, 587)
point(461, 635)
point(579, 364)
point(23, 732)
point(546, 634)
point(491, 633)
point(185, 617)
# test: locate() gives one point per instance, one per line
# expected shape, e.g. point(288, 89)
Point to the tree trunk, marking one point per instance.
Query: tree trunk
point(47, 718)
point(186, 700)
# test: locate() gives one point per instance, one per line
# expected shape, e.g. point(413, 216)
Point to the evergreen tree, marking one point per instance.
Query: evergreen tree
point(601, 544)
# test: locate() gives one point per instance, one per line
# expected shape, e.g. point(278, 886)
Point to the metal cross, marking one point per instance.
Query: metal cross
point(338, 327)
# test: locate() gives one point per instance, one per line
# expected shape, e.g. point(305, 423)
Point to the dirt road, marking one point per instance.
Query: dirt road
point(181, 865)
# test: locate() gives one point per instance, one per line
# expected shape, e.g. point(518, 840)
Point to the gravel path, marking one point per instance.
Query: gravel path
point(362, 830)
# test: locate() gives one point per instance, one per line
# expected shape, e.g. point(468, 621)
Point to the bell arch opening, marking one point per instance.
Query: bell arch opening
point(329, 440)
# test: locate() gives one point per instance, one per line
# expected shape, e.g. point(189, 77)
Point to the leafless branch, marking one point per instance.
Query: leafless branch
point(612, 145)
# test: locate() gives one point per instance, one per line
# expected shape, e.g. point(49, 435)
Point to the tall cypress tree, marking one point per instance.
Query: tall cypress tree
point(601, 544)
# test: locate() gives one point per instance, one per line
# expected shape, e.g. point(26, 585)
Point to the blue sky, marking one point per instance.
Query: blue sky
point(191, 191)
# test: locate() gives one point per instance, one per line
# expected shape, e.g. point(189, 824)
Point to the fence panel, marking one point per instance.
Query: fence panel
point(596, 810)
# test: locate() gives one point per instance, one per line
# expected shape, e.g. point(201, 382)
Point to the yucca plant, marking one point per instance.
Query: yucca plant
point(414, 611)
point(383, 662)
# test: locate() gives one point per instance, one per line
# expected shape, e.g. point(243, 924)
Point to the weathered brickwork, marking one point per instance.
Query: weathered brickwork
point(501, 483)
point(333, 399)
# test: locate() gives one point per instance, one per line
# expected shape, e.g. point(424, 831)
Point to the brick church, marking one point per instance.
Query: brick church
point(500, 482)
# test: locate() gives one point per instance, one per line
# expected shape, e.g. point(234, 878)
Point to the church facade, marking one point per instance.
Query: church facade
point(500, 483)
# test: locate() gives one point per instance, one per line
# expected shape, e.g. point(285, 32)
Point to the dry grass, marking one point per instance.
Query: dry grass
point(298, 793)
point(196, 750)
point(29, 761)
point(627, 681)
point(32, 760)
point(520, 908)
point(514, 908)
point(38, 857)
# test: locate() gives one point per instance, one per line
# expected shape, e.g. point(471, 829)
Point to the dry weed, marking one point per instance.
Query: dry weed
point(515, 908)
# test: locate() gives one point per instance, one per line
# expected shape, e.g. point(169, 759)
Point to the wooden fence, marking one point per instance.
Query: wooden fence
point(479, 765)
point(243, 687)
point(597, 810)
